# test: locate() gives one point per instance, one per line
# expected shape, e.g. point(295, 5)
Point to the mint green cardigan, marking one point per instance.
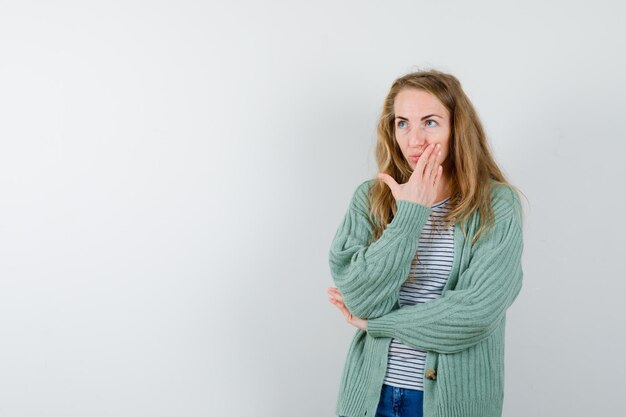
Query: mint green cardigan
point(462, 331)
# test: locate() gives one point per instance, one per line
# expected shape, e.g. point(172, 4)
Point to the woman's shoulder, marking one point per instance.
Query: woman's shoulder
point(505, 201)
point(365, 186)
point(360, 196)
point(362, 190)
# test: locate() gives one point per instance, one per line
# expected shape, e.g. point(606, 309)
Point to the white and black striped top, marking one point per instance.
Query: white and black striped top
point(429, 273)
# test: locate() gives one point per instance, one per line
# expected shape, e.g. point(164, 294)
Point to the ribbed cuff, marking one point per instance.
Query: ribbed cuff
point(380, 327)
point(410, 217)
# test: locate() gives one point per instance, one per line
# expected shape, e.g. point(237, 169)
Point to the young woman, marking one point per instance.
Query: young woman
point(427, 261)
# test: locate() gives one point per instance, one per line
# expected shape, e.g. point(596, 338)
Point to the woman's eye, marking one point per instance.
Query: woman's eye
point(402, 124)
point(431, 125)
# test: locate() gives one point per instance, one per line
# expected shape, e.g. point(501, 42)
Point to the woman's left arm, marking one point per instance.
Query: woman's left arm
point(463, 317)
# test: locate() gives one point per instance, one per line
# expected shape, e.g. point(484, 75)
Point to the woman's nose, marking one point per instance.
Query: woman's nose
point(418, 138)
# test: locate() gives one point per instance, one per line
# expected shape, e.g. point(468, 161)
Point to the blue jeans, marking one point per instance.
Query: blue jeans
point(400, 402)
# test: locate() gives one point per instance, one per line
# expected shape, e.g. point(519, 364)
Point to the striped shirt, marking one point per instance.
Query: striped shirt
point(429, 273)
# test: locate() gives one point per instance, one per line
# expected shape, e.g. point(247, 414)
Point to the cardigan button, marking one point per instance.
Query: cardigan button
point(431, 374)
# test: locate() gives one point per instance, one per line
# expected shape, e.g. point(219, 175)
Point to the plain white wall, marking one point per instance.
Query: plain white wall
point(172, 174)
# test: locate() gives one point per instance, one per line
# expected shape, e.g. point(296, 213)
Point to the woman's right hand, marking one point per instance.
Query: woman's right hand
point(421, 188)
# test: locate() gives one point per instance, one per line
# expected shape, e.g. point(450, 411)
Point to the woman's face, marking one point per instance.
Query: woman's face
point(420, 120)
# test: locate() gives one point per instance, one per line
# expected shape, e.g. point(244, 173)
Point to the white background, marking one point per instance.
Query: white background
point(172, 174)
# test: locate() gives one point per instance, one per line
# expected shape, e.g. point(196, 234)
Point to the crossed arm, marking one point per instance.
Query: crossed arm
point(462, 317)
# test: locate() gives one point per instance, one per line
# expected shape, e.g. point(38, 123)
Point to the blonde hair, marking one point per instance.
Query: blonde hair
point(470, 167)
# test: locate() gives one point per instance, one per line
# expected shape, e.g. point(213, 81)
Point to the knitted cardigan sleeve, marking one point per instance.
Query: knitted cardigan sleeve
point(462, 317)
point(369, 276)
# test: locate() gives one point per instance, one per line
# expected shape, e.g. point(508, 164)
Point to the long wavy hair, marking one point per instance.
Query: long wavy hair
point(470, 168)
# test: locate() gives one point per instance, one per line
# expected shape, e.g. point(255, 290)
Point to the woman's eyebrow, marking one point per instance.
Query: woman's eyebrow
point(425, 117)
